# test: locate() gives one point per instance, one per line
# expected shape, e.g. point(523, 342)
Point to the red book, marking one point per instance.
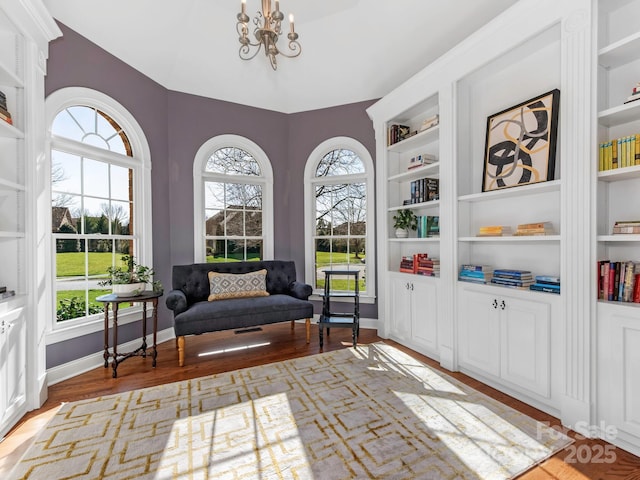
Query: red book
point(636, 288)
point(612, 280)
point(605, 280)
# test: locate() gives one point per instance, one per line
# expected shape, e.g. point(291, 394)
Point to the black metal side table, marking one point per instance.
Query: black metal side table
point(331, 318)
point(117, 358)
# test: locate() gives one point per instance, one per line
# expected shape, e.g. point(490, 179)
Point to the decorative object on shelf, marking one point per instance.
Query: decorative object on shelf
point(7, 294)
point(635, 94)
point(521, 143)
point(4, 112)
point(536, 228)
point(396, 133)
point(131, 279)
point(268, 28)
point(404, 220)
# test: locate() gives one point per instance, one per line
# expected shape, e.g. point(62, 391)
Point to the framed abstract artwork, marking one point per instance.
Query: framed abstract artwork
point(521, 143)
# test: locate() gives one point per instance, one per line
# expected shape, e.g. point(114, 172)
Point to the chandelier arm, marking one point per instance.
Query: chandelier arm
point(295, 48)
point(245, 51)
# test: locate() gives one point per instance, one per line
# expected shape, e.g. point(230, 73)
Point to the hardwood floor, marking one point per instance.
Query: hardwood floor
point(225, 351)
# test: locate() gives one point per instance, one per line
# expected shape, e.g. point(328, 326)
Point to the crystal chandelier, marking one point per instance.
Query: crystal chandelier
point(268, 27)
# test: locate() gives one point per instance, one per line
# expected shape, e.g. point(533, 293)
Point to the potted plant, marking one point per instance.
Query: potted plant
point(404, 220)
point(129, 279)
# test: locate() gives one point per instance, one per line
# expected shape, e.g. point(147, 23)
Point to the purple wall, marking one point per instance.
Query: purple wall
point(176, 125)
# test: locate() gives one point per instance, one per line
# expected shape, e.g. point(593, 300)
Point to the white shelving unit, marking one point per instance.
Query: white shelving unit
point(504, 64)
point(618, 195)
point(25, 30)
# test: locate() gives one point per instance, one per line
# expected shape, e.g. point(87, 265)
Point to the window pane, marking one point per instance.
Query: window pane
point(64, 218)
point(65, 173)
point(214, 223)
point(339, 162)
point(233, 223)
point(214, 195)
point(96, 178)
point(253, 223)
point(254, 250)
point(232, 161)
point(70, 261)
point(119, 217)
point(216, 250)
point(92, 127)
point(121, 183)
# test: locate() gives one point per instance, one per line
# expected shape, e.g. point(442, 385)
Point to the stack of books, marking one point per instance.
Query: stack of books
point(475, 273)
point(494, 231)
point(619, 281)
point(4, 113)
point(512, 278)
point(406, 264)
point(428, 226)
point(539, 228)
point(430, 122)
point(424, 265)
point(421, 160)
point(546, 283)
point(627, 227)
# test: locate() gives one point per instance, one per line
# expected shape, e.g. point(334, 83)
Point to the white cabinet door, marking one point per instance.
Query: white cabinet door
point(525, 343)
point(400, 309)
point(479, 332)
point(12, 366)
point(619, 366)
point(424, 314)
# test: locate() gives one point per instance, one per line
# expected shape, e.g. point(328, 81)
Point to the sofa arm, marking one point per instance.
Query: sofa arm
point(176, 301)
point(300, 290)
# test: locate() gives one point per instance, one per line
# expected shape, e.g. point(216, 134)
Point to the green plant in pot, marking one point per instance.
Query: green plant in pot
point(130, 278)
point(404, 220)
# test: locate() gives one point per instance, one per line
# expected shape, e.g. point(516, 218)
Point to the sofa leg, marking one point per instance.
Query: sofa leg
point(307, 323)
point(293, 325)
point(180, 341)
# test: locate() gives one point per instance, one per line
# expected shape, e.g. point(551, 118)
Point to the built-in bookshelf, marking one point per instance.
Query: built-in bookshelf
point(618, 197)
point(25, 30)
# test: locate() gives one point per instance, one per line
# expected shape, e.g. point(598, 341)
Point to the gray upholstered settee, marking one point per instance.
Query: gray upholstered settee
point(193, 314)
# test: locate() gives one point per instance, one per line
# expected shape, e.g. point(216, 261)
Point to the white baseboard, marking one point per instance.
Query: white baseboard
point(84, 364)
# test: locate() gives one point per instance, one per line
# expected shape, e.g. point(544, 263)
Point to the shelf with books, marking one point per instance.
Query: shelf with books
point(512, 239)
point(431, 204)
point(619, 238)
point(416, 141)
point(414, 174)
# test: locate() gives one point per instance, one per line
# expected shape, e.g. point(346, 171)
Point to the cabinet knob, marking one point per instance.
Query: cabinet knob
point(412, 287)
point(407, 286)
point(502, 305)
point(495, 303)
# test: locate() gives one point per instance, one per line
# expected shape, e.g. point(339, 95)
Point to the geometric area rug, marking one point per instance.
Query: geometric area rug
point(369, 412)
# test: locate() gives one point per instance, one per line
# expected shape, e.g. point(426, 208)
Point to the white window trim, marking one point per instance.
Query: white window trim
point(199, 176)
point(368, 177)
point(54, 103)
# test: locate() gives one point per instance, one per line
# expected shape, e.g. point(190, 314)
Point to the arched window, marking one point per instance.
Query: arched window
point(233, 198)
point(100, 198)
point(339, 213)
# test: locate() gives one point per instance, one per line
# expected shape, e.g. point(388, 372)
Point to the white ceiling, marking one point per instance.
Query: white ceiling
point(352, 50)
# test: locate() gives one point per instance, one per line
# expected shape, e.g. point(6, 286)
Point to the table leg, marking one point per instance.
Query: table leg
point(105, 355)
point(144, 330)
point(155, 330)
point(114, 364)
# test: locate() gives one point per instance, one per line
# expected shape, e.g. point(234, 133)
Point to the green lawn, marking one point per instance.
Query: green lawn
point(72, 264)
point(324, 259)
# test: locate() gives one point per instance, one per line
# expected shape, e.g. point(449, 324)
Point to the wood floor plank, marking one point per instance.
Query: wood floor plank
point(227, 351)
